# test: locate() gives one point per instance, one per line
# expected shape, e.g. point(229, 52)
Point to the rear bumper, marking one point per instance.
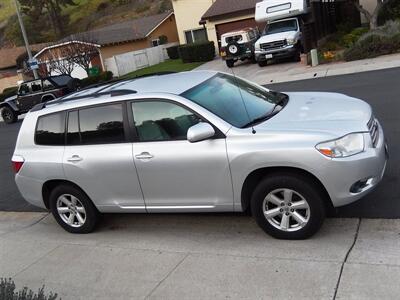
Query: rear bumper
point(287, 51)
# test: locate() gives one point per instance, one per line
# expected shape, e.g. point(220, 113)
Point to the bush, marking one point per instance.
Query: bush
point(7, 292)
point(173, 52)
point(198, 52)
point(8, 92)
point(384, 40)
point(351, 38)
point(102, 77)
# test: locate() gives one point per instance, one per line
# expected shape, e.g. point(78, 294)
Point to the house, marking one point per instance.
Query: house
point(213, 18)
point(9, 75)
point(119, 38)
point(131, 35)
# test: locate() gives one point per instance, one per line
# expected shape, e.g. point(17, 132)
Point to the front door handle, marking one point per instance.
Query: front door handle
point(144, 155)
point(75, 158)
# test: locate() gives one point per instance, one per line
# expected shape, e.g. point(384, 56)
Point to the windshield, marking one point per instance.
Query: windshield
point(222, 95)
point(61, 80)
point(289, 25)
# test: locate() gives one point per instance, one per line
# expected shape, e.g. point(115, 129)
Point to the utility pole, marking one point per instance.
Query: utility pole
point(24, 35)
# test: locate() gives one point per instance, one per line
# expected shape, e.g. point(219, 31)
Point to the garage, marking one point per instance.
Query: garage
point(232, 26)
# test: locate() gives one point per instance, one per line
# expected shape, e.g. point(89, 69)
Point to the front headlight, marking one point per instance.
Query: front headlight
point(291, 41)
point(346, 146)
point(257, 47)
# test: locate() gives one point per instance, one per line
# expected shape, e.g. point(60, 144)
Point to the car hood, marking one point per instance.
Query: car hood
point(276, 37)
point(330, 113)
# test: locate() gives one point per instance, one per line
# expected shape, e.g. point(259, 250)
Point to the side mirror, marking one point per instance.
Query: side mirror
point(200, 132)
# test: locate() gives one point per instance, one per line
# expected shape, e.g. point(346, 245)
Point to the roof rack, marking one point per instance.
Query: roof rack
point(99, 93)
point(114, 93)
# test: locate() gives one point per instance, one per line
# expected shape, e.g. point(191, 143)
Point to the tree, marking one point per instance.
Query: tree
point(37, 9)
point(82, 54)
point(372, 18)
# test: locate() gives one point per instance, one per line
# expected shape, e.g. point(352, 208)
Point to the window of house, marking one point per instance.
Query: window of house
point(50, 130)
point(162, 121)
point(155, 42)
point(96, 125)
point(196, 35)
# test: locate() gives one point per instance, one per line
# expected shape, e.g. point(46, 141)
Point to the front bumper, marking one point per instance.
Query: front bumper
point(287, 51)
point(341, 175)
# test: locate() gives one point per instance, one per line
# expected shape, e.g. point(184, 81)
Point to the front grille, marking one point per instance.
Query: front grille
point(373, 128)
point(273, 45)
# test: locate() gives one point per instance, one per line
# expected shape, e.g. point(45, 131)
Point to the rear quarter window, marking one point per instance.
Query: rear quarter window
point(50, 130)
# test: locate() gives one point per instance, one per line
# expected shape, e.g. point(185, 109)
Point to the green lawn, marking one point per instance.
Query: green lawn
point(172, 65)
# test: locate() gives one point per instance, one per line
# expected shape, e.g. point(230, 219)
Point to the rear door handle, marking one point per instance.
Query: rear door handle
point(75, 158)
point(144, 155)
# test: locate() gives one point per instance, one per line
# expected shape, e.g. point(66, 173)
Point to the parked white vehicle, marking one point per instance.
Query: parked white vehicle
point(270, 10)
point(280, 39)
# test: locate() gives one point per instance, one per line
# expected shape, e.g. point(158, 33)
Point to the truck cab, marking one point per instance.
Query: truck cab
point(280, 39)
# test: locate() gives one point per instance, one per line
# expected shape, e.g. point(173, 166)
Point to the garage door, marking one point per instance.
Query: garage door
point(231, 26)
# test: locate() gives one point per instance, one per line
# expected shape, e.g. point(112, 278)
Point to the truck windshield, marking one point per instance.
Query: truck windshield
point(229, 98)
point(283, 26)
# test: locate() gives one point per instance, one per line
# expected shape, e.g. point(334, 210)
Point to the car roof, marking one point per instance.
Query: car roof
point(176, 84)
point(44, 78)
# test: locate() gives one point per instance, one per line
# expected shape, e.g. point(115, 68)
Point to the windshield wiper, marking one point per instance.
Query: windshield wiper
point(280, 104)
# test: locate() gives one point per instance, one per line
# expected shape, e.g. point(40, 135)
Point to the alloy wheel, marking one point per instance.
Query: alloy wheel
point(71, 210)
point(286, 210)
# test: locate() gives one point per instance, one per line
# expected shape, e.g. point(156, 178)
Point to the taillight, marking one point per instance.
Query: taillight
point(17, 163)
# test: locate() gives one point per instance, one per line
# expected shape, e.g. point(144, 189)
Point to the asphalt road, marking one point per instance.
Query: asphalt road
point(379, 88)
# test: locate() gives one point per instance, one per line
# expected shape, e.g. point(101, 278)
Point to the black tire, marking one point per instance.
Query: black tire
point(302, 186)
point(297, 56)
point(9, 115)
point(230, 63)
point(262, 63)
point(91, 212)
point(253, 59)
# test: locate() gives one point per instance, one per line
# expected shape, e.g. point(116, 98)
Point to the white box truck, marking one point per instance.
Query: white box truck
point(282, 35)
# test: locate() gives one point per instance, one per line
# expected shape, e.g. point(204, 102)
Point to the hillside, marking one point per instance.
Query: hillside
point(82, 16)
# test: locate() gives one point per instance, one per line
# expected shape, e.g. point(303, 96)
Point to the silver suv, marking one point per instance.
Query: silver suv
point(199, 142)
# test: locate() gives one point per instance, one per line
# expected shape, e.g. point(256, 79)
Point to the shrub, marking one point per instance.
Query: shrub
point(384, 40)
point(198, 52)
point(8, 92)
point(102, 77)
point(7, 292)
point(173, 52)
point(349, 39)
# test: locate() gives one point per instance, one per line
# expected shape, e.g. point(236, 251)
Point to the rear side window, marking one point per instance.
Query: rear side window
point(50, 130)
point(97, 125)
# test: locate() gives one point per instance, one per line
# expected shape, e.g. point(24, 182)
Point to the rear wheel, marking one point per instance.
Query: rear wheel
point(9, 115)
point(288, 207)
point(73, 210)
point(230, 63)
point(262, 63)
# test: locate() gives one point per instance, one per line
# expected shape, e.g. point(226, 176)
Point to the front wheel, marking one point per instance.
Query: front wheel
point(73, 210)
point(288, 207)
point(9, 115)
point(262, 63)
point(230, 63)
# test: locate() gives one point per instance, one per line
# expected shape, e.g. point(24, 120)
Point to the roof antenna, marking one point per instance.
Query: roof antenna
point(244, 103)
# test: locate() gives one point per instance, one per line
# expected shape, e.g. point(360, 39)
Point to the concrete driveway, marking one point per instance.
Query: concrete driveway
point(200, 257)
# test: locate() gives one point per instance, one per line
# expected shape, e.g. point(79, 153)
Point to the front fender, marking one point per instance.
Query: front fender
point(11, 103)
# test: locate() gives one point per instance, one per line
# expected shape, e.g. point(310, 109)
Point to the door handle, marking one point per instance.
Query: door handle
point(75, 158)
point(144, 155)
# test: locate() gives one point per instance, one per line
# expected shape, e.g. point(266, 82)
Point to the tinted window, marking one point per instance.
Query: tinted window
point(283, 26)
point(36, 86)
point(97, 125)
point(162, 121)
point(24, 89)
point(47, 85)
point(236, 101)
point(50, 130)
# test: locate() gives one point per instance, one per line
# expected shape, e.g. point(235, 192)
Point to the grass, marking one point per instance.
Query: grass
point(172, 65)
point(7, 9)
